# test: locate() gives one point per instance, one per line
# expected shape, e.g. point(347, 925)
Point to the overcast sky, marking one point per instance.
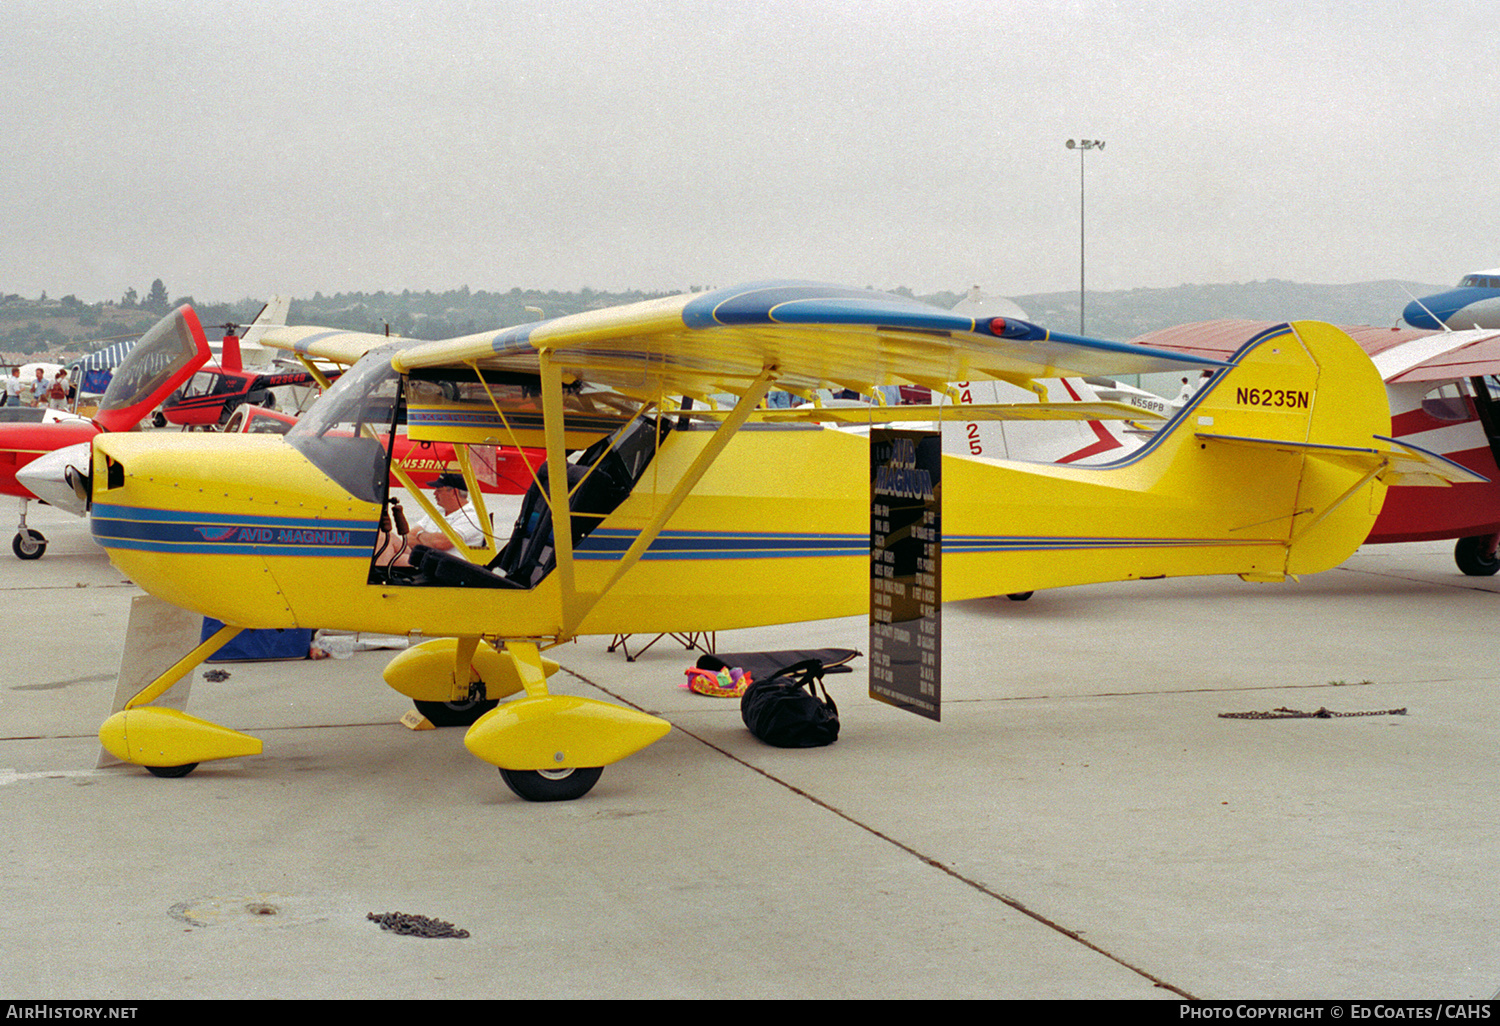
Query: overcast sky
point(238, 149)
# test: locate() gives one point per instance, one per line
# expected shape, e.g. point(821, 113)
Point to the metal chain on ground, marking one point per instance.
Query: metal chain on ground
point(409, 925)
point(1323, 713)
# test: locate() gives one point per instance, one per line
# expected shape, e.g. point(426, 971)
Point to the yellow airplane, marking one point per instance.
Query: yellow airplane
point(658, 511)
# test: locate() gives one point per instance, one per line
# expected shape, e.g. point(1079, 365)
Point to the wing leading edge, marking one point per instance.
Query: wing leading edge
point(808, 335)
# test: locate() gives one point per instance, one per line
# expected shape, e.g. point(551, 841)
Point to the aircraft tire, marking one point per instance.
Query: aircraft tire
point(1020, 596)
point(552, 785)
point(454, 714)
point(172, 772)
point(1471, 556)
point(28, 544)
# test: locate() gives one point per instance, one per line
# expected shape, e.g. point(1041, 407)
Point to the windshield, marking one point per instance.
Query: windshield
point(341, 434)
point(165, 352)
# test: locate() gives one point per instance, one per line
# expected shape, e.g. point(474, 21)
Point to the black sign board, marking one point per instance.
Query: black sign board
point(906, 584)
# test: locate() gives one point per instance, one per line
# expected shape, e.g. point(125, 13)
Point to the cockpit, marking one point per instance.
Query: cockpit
point(350, 435)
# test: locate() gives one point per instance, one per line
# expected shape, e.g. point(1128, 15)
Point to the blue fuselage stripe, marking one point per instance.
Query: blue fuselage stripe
point(158, 530)
point(167, 530)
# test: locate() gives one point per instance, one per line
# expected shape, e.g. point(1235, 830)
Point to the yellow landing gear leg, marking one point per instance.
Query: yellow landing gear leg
point(554, 747)
point(170, 743)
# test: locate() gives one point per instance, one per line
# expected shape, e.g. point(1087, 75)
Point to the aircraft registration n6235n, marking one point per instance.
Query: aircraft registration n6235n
point(1297, 399)
point(657, 511)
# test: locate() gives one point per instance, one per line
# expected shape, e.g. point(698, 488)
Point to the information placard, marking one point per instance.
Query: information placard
point(906, 584)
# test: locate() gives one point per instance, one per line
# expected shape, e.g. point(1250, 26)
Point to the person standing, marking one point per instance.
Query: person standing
point(12, 396)
point(57, 394)
point(39, 388)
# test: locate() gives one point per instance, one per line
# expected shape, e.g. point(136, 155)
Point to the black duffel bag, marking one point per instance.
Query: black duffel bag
point(784, 709)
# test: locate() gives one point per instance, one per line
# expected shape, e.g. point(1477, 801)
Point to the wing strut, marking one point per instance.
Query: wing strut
point(557, 488)
point(312, 368)
point(575, 609)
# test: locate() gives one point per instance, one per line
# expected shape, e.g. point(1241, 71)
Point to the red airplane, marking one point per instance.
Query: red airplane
point(137, 386)
point(35, 458)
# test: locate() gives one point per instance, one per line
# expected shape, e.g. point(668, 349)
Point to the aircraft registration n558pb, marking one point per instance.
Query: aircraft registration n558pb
point(658, 511)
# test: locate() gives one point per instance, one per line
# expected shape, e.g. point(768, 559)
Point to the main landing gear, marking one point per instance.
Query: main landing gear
point(1476, 556)
point(454, 714)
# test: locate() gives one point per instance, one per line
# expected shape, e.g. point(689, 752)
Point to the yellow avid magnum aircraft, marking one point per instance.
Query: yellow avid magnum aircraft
point(658, 511)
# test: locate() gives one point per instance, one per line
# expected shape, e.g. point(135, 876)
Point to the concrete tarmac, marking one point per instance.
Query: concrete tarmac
point(1082, 824)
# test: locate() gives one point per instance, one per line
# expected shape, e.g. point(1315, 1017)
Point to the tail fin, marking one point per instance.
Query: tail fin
point(272, 315)
point(1197, 499)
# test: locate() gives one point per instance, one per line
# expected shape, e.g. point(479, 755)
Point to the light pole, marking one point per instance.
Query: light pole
point(1082, 146)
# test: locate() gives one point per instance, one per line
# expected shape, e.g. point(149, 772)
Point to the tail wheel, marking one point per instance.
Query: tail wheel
point(1020, 596)
point(562, 785)
point(455, 714)
point(1474, 557)
point(28, 544)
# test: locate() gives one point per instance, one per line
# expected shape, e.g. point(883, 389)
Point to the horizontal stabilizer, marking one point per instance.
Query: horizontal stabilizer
point(1403, 464)
point(1415, 466)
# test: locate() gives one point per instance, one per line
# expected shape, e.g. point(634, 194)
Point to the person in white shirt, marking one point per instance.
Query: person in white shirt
point(450, 494)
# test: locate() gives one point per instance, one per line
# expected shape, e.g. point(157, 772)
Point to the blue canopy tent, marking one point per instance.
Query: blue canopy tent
point(92, 372)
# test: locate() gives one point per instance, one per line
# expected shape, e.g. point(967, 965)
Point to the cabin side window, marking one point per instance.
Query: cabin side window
point(1447, 401)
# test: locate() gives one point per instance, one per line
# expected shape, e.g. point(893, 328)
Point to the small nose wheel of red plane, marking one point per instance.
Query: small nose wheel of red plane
point(559, 785)
point(28, 544)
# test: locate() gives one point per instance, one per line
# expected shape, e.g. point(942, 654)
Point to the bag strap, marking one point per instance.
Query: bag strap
point(805, 671)
point(808, 674)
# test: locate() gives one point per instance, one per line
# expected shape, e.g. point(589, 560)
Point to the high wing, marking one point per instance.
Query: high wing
point(723, 341)
point(332, 344)
point(1452, 354)
point(925, 413)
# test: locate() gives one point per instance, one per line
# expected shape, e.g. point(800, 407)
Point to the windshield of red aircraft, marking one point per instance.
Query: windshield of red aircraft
point(161, 352)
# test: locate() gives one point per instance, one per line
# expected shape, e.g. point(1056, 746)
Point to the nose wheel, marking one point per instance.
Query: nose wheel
point(28, 544)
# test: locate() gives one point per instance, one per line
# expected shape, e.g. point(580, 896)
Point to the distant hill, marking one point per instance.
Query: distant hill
point(1124, 315)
